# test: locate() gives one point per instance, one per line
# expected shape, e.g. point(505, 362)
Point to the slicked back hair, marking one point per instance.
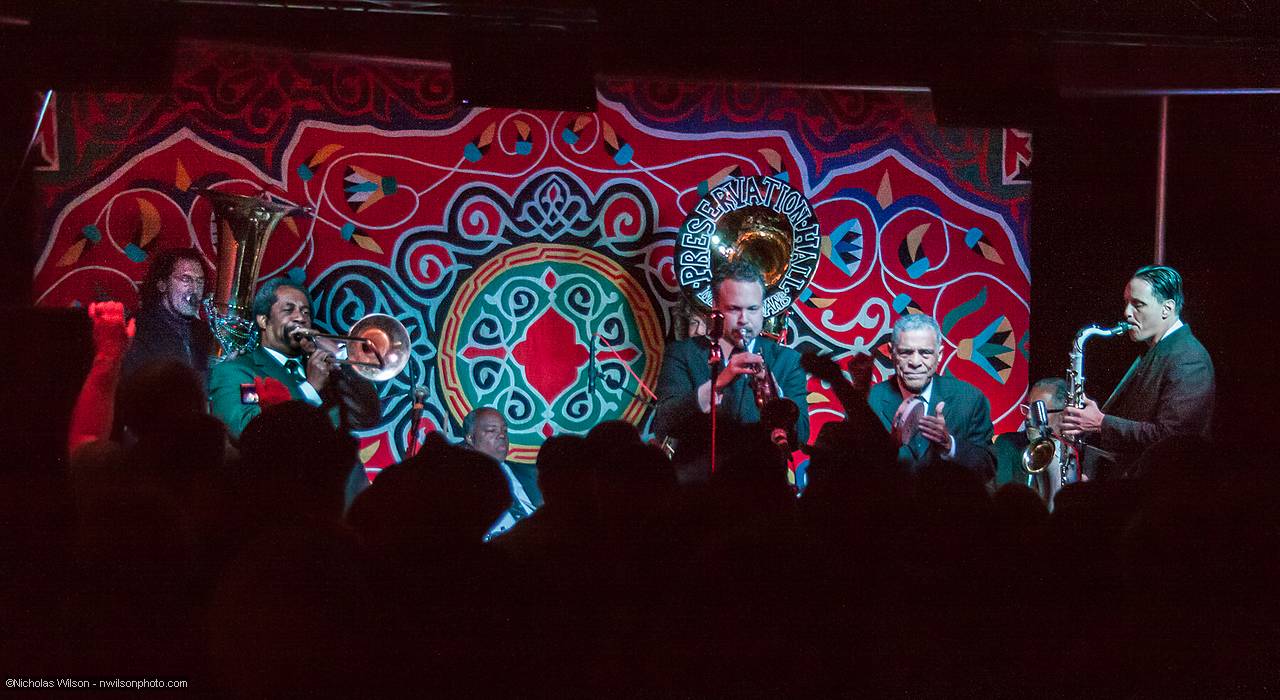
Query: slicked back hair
point(1165, 283)
point(739, 271)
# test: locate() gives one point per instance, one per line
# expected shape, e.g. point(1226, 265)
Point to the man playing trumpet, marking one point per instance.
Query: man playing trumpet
point(684, 384)
point(304, 365)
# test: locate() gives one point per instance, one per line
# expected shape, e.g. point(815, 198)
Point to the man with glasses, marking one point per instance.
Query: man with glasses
point(1053, 391)
point(933, 418)
point(168, 322)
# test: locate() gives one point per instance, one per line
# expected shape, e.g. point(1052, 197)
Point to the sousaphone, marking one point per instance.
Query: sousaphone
point(761, 220)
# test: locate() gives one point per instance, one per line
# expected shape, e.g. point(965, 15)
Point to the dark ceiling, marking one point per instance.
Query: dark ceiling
point(1059, 47)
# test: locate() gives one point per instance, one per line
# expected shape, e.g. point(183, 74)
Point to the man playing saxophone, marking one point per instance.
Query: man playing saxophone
point(1168, 390)
point(1036, 455)
point(684, 384)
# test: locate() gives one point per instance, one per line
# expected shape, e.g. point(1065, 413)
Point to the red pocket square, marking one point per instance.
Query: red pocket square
point(271, 391)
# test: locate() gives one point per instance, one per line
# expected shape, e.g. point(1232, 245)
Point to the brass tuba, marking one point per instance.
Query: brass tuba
point(244, 225)
point(763, 221)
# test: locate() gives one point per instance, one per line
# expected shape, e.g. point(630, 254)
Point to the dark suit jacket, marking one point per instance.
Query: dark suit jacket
point(684, 369)
point(527, 475)
point(1009, 448)
point(163, 335)
point(225, 401)
point(1169, 391)
point(968, 416)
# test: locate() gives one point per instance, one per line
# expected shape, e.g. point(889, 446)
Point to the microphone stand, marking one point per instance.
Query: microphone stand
point(715, 357)
point(591, 367)
point(612, 384)
point(415, 416)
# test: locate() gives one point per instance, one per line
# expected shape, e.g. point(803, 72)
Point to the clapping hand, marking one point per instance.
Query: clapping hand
point(822, 367)
point(852, 390)
point(934, 428)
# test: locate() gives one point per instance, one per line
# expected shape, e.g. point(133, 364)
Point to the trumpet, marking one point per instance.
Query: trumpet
point(763, 387)
point(377, 346)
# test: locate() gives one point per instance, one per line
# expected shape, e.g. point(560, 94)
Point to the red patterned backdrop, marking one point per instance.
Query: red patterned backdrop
point(506, 239)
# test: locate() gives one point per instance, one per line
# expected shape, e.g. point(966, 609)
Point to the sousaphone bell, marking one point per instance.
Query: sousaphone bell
point(759, 220)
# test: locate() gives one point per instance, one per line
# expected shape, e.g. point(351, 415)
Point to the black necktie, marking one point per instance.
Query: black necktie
point(294, 367)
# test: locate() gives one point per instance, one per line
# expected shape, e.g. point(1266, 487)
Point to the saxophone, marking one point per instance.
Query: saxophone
point(1048, 451)
point(1075, 372)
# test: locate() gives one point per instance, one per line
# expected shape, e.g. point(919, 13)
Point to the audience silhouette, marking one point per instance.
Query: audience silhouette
point(171, 554)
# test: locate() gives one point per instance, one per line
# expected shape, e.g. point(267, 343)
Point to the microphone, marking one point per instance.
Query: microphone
point(1040, 414)
point(299, 333)
point(591, 368)
point(1038, 422)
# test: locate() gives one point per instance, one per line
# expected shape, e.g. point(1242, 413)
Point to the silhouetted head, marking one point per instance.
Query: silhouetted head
point(159, 394)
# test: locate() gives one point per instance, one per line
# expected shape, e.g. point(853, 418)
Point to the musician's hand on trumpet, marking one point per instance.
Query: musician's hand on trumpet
point(1078, 422)
point(740, 363)
point(321, 355)
point(320, 366)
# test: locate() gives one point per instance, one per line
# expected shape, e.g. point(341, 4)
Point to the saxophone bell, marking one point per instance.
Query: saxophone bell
point(1040, 453)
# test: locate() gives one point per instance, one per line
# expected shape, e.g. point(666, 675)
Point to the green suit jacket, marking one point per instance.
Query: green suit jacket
point(684, 369)
point(226, 400)
point(356, 394)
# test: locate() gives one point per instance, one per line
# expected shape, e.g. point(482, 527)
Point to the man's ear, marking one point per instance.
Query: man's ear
point(262, 321)
point(469, 441)
point(1168, 306)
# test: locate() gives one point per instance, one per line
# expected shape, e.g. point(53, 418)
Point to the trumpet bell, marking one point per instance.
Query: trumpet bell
point(384, 352)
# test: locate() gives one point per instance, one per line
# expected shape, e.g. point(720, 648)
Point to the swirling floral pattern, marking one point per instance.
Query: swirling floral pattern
point(413, 198)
